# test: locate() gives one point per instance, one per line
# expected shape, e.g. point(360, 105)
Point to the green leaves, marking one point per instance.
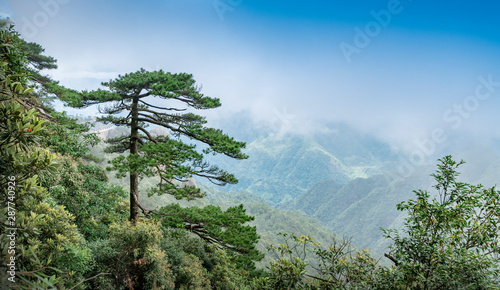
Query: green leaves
point(180, 87)
point(85, 192)
point(35, 57)
point(20, 132)
point(135, 257)
point(335, 266)
point(13, 62)
point(446, 236)
point(66, 136)
point(212, 224)
point(82, 99)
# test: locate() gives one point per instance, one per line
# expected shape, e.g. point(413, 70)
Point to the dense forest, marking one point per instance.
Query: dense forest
point(80, 214)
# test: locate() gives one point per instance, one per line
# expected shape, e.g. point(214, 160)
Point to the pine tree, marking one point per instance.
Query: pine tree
point(129, 100)
point(36, 62)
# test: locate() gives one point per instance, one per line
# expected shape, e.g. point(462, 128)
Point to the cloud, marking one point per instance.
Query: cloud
point(287, 72)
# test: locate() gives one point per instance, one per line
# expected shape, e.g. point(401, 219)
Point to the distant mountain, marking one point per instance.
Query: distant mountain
point(281, 169)
point(341, 177)
point(363, 205)
point(360, 207)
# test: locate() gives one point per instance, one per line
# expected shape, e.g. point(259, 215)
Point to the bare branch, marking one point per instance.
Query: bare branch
point(148, 134)
point(392, 259)
point(143, 95)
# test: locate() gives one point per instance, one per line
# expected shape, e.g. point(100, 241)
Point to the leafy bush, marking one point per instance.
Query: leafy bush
point(340, 266)
point(66, 136)
point(450, 240)
point(133, 257)
point(84, 191)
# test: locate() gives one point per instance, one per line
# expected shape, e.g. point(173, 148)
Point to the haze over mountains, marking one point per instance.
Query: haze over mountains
point(280, 169)
point(349, 181)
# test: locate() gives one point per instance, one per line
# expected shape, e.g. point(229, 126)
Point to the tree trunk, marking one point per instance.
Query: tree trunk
point(134, 176)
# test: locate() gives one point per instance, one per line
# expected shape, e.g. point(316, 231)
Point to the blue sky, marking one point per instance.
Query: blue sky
point(411, 67)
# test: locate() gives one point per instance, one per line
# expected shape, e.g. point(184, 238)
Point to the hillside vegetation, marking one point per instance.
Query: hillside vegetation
point(282, 169)
point(73, 217)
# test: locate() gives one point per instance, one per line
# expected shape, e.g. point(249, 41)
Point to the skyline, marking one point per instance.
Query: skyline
point(405, 71)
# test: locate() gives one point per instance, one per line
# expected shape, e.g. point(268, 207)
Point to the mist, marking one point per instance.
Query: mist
point(416, 87)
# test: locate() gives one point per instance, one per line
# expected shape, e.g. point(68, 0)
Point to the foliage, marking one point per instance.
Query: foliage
point(194, 275)
point(66, 136)
point(143, 256)
point(48, 241)
point(20, 67)
point(37, 61)
point(134, 258)
point(289, 269)
point(219, 266)
point(449, 240)
point(224, 274)
point(214, 225)
point(48, 250)
point(19, 131)
point(339, 265)
point(13, 70)
point(84, 191)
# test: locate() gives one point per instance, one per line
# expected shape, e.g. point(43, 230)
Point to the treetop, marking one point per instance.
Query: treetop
point(141, 84)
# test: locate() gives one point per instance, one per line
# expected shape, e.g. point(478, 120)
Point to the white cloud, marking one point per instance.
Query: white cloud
point(397, 91)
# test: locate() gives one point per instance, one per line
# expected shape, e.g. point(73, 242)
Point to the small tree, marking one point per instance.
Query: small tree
point(335, 266)
point(449, 240)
